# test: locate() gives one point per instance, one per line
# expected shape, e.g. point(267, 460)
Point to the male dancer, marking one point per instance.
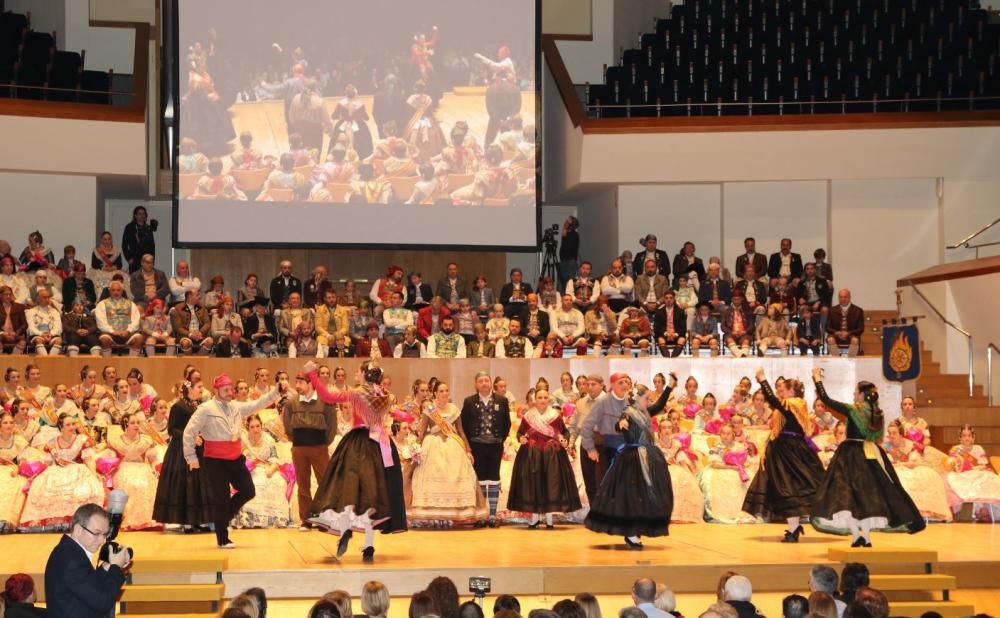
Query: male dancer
point(311, 425)
point(486, 422)
point(220, 423)
point(594, 393)
point(598, 435)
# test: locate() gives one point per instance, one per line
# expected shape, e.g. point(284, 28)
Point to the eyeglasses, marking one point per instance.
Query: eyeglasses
point(104, 534)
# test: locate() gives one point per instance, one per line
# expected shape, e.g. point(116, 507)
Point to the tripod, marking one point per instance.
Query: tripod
point(550, 263)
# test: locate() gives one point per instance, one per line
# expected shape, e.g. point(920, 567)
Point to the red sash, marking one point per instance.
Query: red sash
point(219, 449)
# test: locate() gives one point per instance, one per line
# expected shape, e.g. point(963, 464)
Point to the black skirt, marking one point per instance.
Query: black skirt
point(542, 481)
point(859, 488)
point(356, 476)
point(209, 124)
point(787, 481)
point(625, 505)
point(182, 496)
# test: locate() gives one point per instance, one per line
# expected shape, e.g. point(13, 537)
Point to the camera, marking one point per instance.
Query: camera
point(111, 546)
point(550, 238)
point(480, 585)
point(117, 499)
point(153, 224)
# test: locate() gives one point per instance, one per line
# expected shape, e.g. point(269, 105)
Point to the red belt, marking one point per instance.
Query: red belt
point(218, 449)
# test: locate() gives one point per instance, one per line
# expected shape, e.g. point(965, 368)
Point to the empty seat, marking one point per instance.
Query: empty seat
point(95, 87)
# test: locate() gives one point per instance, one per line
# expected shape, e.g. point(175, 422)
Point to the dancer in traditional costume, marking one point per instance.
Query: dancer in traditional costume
point(269, 507)
point(861, 491)
point(689, 502)
point(635, 498)
point(790, 471)
point(726, 479)
point(486, 422)
point(363, 484)
point(135, 475)
point(542, 482)
point(12, 448)
point(919, 480)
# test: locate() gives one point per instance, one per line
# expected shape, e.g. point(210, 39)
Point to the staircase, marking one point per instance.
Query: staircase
point(909, 594)
point(871, 338)
point(945, 390)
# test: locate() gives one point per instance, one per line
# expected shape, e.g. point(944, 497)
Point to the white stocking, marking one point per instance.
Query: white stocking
point(535, 517)
point(369, 536)
point(853, 525)
point(548, 519)
point(793, 524)
point(866, 529)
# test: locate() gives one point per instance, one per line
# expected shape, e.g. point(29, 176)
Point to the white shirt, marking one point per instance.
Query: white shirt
point(180, 285)
point(618, 288)
point(786, 265)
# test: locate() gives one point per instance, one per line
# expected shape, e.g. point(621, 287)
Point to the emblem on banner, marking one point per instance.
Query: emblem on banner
point(901, 352)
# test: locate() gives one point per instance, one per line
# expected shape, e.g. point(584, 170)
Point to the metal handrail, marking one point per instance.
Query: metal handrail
point(964, 243)
point(967, 334)
point(990, 348)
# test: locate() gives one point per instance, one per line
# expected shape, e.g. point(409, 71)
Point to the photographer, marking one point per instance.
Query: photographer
point(74, 588)
point(569, 251)
point(137, 240)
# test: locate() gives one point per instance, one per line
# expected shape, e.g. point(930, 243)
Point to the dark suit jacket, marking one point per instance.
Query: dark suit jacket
point(137, 285)
point(543, 323)
point(74, 588)
point(774, 265)
point(23, 610)
point(508, 290)
point(253, 325)
point(411, 293)
point(815, 333)
point(660, 322)
point(279, 291)
point(444, 290)
point(681, 266)
point(17, 318)
point(705, 291)
point(728, 320)
point(470, 415)
point(69, 288)
point(823, 290)
point(758, 288)
point(425, 321)
point(363, 349)
point(759, 264)
point(225, 349)
point(855, 320)
point(662, 262)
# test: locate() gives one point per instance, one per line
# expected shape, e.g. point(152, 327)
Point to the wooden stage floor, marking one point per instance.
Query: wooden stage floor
point(570, 559)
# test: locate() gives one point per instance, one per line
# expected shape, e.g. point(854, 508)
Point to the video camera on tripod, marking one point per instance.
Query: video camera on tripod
point(550, 238)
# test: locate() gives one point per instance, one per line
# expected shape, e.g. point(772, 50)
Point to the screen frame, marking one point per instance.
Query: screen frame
point(175, 197)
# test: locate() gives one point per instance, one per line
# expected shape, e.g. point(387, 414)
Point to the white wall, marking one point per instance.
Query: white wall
point(882, 230)
point(770, 211)
point(675, 213)
point(970, 204)
point(599, 222)
point(107, 48)
point(61, 207)
point(585, 59)
point(67, 145)
point(46, 16)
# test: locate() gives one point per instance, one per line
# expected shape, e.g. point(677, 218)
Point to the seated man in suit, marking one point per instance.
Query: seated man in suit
point(73, 587)
point(234, 345)
point(785, 263)
point(845, 324)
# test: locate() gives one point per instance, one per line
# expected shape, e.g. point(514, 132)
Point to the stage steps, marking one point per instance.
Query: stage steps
point(926, 582)
point(175, 594)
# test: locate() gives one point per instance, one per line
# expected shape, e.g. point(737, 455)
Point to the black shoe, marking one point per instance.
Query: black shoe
point(632, 545)
point(494, 523)
point(861, 542)
point(550, 526)
point(534, 526)
point(479, 524)
point(793, 537)
point(345, 540)
point(368, 554)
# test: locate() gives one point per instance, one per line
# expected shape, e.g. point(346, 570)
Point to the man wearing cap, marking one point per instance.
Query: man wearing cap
point(220, 423)
point(486, 423)
point(598, 435)
point(658, 256)
point(593, 393)
point(311, 425)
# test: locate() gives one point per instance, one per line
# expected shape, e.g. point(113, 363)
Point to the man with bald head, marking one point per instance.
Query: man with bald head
point(181, 282)
point(844, 325)
point(643, 595)
point(284, 284)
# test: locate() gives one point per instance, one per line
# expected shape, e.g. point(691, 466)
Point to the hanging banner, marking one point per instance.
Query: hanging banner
point(901, 352)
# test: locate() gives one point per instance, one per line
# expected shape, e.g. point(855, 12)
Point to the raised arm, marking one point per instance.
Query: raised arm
point(838, 408)
point(246, 408)
point(661, 403)
point(324, 393)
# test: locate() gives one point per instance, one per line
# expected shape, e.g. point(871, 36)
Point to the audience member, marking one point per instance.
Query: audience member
point(148, 282)
point(670, 326)
point(752, 258)
point(853, 576)
point(118, 322)
point(446, 343)
point(588, 602)
point(738, 592)
point(569, 251)
point(342, 600)
point(445, 595)
point(19, 596)
point(137, 239)
point(470, 609)
point(773, 331)
point(665, 599)
point(283, 285)
point(617, 287)
point(44, 326)
point(375, 600)
point(452, 287)
point(794, 606)
point(418, 293)
point(535, 323)
point(514, 294)
point(192, 325)
point(737, 327)
point(583, 288)
point(509, 602)
point(813, 291)
point(263, 333)
point(567, 608)
point(235, 612)
point(78, 286)
point(845, 324)
point(13, 321)
point(784, 263)
point(326, 609)
point(719, 610)
point(660, 259)
point(823, 268)
point(704, 331)
point(316, 288)
point(686, 263)
point(247, 604)
point(181, 282)
point(384, 287)
point(823, 605)
point(422, 604)
point(644, 596)
point(857, 610)
point(824, 579)
point(874, 601)
point(715, 290)
point(260, 598)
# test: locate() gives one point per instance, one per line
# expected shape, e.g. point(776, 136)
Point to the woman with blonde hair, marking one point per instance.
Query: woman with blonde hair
point(247, 604)
point(589, 603)
point(342, 600)
point(375, 600)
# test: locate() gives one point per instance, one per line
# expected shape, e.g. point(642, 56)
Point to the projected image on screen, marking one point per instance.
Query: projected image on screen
point(398, 122)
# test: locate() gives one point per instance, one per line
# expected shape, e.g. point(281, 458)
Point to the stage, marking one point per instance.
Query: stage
point(553, 563)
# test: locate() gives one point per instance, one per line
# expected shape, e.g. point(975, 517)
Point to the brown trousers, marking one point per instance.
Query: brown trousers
point(308, 460)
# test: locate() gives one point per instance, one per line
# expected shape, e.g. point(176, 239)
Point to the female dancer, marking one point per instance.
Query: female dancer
point(11, 484)
point(66, 484)
point(269, 507)
point(351, 119)
point(135, 475)
point(445, 488)
point(635, 498)
point(363, 484)
point(970, 478)
point(183, 497)
point(790, 471)
point(542, 481)
point(861, 491)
